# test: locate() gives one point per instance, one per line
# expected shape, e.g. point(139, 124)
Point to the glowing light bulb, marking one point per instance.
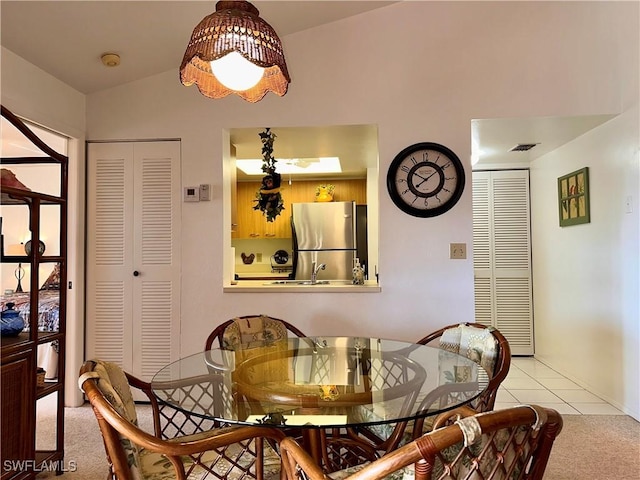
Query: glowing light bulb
point(236, 72)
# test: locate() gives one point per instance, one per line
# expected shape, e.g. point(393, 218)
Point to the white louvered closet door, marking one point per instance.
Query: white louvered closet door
point(502, 255)
point(133, 274)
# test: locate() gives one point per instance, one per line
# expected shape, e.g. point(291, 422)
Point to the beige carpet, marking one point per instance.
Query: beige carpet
point(603, 447)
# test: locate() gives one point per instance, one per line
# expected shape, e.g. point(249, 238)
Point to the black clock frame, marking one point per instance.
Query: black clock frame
point(392, 187)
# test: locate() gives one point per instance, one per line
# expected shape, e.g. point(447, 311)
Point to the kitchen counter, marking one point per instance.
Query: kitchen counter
point(262, 286)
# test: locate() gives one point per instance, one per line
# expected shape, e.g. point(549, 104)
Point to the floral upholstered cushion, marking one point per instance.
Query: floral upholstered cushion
point(155, 466)
point(365, 414)
point(251, 337)
point(252, 332)
point(113, 384)
point(477, 344)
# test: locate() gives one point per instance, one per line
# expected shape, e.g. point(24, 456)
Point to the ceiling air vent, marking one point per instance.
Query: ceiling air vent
point(523, 147)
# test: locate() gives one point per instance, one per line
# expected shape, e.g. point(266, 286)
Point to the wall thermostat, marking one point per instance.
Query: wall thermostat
point(191, 194)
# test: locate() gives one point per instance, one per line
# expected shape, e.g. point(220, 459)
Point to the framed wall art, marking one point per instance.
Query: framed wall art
point(573, 198)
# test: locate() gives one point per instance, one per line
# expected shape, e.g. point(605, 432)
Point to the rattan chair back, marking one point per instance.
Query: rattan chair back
point(204, 392)
point(512, 444)
point(133, 453)
point(502, 363)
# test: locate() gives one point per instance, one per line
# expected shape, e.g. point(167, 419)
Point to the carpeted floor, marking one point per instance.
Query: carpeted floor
point(603, 447)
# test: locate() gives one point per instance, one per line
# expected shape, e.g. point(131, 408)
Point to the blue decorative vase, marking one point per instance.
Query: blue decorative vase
point(12, 323)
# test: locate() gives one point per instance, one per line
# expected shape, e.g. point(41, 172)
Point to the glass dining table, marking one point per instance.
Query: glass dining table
point(343, 397)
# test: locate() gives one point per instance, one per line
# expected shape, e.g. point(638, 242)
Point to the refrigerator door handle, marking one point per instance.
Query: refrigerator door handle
point(294, 257)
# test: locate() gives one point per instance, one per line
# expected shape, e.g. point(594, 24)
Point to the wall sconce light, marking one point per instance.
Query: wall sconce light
point(233, 50)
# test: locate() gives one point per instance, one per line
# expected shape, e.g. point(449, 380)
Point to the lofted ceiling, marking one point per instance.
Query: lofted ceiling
point(67, 38)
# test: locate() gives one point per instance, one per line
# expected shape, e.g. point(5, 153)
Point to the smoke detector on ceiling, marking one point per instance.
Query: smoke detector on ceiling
point(110, 59)
point(523, 147)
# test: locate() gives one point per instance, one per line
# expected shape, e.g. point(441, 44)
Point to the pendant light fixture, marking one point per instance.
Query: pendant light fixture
point(233, 50)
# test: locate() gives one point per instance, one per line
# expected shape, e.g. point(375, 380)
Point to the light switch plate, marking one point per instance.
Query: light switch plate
point(458, 251)
point(191, 194)
point(205, 192)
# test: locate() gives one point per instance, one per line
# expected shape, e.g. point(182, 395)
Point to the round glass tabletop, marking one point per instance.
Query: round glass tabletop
point(320, 382)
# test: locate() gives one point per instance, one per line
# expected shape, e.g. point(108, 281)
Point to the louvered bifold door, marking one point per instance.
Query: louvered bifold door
point(109, 252)
point(502, 255)
point(133, 254)
point(482, 248)
point(156, 256)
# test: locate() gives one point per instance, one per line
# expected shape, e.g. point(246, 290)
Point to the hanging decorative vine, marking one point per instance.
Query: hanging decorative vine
point(268, 198)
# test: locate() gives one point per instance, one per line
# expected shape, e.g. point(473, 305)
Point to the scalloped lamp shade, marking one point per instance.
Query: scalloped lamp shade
point(235, 34)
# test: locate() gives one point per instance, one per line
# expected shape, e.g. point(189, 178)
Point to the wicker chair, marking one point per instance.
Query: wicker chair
point(250, 336)
point(485, 345)
point(206, 391)
point(132, 453)
point(259, 335)
point(512, 444)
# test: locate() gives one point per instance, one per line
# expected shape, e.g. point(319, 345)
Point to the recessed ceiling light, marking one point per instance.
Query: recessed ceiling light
point(302, 166)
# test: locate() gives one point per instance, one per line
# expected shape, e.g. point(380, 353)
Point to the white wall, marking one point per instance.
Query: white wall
point(586, 277)
point(421, 77)
point(33, 94)
point(421, 71)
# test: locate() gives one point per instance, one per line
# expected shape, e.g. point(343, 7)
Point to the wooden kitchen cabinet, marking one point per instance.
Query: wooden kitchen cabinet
point(253, 224)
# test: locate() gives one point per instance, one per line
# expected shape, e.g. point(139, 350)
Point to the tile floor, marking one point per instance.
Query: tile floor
point(530, 381)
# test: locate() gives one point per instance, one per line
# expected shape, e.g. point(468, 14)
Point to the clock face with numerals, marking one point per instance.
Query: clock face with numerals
point(425, 179)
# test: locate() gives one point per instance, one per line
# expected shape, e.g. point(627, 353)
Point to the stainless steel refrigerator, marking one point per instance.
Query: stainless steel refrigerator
point(324, 232)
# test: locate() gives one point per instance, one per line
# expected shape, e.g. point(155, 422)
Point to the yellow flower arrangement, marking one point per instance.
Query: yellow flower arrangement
point(324, 192)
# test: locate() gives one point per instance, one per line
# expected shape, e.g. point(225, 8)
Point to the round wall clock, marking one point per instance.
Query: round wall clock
point(425, 179)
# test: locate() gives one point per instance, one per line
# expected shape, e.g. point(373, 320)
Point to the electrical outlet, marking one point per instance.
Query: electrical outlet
point(458, 251)
point(259, 257)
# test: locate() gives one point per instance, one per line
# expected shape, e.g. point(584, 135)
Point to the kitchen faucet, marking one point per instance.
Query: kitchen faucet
point(314, 272)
